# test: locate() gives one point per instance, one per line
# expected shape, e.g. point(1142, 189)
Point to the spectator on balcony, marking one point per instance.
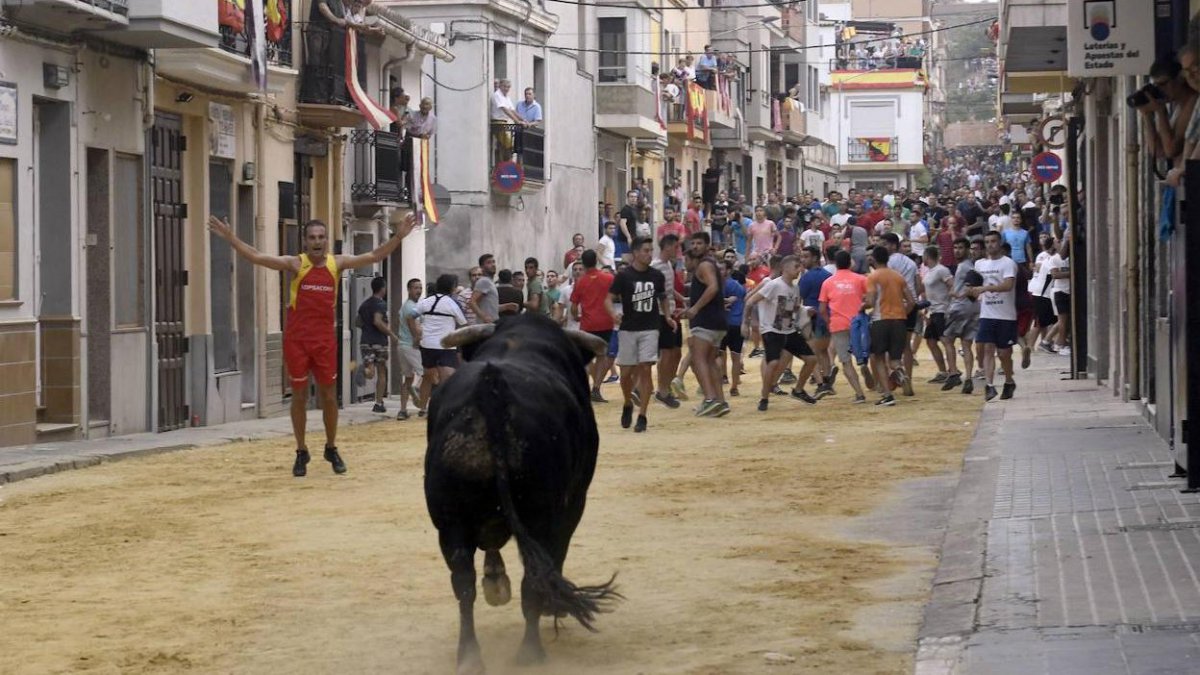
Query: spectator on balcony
point(681, 73)
point(529, 109)
point(504, 118)
point(401, 110)
point(423, 123)
point(706, 69)
point(668, 90)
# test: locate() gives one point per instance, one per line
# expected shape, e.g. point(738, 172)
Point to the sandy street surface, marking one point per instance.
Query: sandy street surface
point(729, 536)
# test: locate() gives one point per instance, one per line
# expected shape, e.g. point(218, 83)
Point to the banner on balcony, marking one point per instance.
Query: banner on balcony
point(878, 149)
point(377, 116)
point(256, 34)
point(659, 104)
point(428, 203)
point(776, 116)
point(277, 19)
point(232, 15)
point(697, 113)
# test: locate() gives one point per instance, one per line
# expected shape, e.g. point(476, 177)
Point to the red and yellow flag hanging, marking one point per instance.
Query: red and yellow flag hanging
point(878, 149)
point(428, 203)
point(697, 113)
point(377, 116)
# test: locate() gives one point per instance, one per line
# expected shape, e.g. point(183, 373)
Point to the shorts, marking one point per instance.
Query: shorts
point(935, 326)
point(636, 347)
point(409, 362)
point(709, 335)
point(733, 340)
point(1062, 302)
point(961, 325)
point(1024, 320)
point(889, 336)
point(373, 353)
point(775, 344)
point(1044, 309)
point(613, 343)
point(910, 321)
point(820, 329)
point(669, 339)
point(841, 345)
point(318, 357)
point(439, 358)
point(999, 332)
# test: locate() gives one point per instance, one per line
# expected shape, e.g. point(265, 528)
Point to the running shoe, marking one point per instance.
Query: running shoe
point(979, 373)
point(379, 407)
point(788, 377)
point(612, 378)
point(833, 373)
point(626, 416)
point(778, 392)
point(939, 378)
point(668, 400)
point(755, 353)
point(597, 398)
point(300, 468)
point(906, 384)
point(402, 415)
point(859, 398)
point(734, 392)
point(1064, 351)
point(678, 389)
point(1026, 356)
point(335, 459)
point(801, 395)
point(722, 410)
point(708, 407)
point(952, 381)
point(989, 392)
point(1047, 347)
point(762, 404)
point(969, 387)
point(887, 400)
point(641, 424)
point(823, 390)
point(868, 376)
point(1007, 391)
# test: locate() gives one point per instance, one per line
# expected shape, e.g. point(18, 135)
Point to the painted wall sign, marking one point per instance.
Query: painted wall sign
point(1109, 37)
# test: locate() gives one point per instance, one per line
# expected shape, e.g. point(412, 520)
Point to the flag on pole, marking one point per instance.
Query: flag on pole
point(377, 116)
point(256, 32)
point(428, 204)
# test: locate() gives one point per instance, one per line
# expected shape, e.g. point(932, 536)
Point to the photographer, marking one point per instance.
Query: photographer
point(1168, 102)
point(1189, 61)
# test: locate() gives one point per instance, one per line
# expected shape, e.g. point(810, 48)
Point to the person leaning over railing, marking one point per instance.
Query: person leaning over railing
point(504, 115)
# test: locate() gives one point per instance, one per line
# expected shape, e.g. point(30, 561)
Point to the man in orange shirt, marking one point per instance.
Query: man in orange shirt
point(889, 301)
point(309, 342)
point(841, 299)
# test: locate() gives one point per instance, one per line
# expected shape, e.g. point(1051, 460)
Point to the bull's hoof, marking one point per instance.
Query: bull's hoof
point(497, 590)
point(471, 664)
point(530, 654)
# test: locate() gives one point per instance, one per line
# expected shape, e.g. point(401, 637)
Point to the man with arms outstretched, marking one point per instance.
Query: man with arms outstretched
point(309, 341)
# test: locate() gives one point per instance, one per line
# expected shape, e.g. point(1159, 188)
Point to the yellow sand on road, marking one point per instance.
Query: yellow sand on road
point(725, 534)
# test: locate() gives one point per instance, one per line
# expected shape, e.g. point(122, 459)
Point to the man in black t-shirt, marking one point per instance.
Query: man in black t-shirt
point(627, 221)
point(512, 300)
point(373, 341)
point(641, 290)
point(720, 218)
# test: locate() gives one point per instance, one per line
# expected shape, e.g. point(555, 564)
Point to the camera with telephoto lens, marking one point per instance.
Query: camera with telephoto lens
point(1144, 95)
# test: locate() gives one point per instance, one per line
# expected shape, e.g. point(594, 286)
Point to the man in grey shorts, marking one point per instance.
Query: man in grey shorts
point(962, 319)
point(641, 290)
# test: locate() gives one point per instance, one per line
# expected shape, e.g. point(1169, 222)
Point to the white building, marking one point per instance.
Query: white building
point(879, 127)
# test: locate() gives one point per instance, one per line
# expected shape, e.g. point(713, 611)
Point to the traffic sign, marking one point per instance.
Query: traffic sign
point(1047, 167)
point(508, 177)
point(1052, 131)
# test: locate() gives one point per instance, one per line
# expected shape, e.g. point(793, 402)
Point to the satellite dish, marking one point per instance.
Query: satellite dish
point(441, 196)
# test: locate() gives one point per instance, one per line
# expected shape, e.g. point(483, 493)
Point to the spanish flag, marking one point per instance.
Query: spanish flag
point(879, 149)
point(428, 204)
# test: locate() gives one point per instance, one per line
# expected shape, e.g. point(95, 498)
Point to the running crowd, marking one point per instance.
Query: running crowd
point(851, 285)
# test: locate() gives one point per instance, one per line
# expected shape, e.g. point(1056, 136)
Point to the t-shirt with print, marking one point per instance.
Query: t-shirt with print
point(1063, 285)
point(937, 288)
point(997, 304)
point(639, 292)
point(885, 290)
point(1041, 282)
point(407, 311)
point(778, 311)
point(589, 293)
point(843, 292)
point(813, 238)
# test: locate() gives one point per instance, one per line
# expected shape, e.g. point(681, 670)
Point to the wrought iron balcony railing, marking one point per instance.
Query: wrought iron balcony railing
point(279, 53)
point(524, 145)
point(872, 149)
point(382, 165)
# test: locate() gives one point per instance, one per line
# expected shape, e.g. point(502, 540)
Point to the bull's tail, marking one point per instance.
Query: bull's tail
point(561, 597)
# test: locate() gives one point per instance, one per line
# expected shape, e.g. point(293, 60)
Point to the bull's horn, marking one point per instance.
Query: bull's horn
point(588, 341)
point(471, 334)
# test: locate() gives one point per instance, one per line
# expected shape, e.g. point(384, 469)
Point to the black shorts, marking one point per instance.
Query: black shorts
point(1000, 332)
point(667, 338)
point(775, 344)
point(439, 358)
point(935, 326)
point(733, 340)
point(1062, 302)
point(889, 336)
point(1044, 308)
point(605, 335)
point(910, 321)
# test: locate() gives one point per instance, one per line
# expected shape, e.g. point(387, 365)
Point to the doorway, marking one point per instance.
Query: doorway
point(170, 273)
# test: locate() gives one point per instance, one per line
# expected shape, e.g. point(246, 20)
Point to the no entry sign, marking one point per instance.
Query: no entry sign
point(508, 177)
point(1047, 167)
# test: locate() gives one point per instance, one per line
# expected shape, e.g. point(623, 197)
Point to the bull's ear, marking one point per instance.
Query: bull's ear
point(468, 336)
point(589, 345)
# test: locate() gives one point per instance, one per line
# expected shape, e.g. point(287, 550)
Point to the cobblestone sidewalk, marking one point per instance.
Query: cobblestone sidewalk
point(1069, 548)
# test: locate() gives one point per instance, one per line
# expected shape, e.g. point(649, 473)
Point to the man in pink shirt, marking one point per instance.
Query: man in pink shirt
point(694, 220)
point(841, 299)
point(762, 234)
point(671, 225)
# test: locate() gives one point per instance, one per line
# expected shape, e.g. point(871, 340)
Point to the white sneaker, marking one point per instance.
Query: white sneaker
point(1065, 351)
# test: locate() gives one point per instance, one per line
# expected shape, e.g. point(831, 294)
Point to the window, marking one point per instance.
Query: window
point(8, 229)
point(873, 119)
point(499, 60)
point(612, 50)
point(539, 81)
point(129, 244)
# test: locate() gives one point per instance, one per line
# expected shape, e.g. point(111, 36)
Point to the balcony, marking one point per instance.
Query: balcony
point(627, 109)
point(1038, 31)
point(69, 16)
point(853, 63)
point(164, 24)
point(793, 126)
point(720, 105)
point(759, 124)
point(871, 150)
point(324, 98)
point(382, 168)
point(227, 66)
point(524, 145)
point(690, 119)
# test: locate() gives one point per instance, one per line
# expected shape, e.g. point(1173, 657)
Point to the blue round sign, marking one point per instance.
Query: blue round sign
point(508, 177)
point(1047, 167)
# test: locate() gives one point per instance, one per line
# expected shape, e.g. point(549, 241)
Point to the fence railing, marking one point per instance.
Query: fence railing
point(872, 149)
point(877, 62)
point(524, 145)
point(279, 52)
point(382, 167)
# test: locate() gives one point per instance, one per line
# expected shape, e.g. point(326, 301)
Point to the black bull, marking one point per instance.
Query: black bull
point(512, 449)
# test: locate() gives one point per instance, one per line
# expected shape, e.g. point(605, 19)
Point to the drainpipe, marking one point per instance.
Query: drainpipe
point(1132, 228)
point(260, 273)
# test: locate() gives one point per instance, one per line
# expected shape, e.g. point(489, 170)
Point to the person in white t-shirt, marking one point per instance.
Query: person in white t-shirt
point(504, 115)
point(562, 309)
point(840, 218)
point(606, 248)
point(440, 316)
point(997, 314)
point(1059, 266)
point(780, 316)
point(1043, 295)
point(1003, 221)
point(918, 233)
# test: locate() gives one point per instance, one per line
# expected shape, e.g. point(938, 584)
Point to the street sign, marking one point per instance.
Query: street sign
point(508, 177)
point(1047, 167)
point(1053, 132)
